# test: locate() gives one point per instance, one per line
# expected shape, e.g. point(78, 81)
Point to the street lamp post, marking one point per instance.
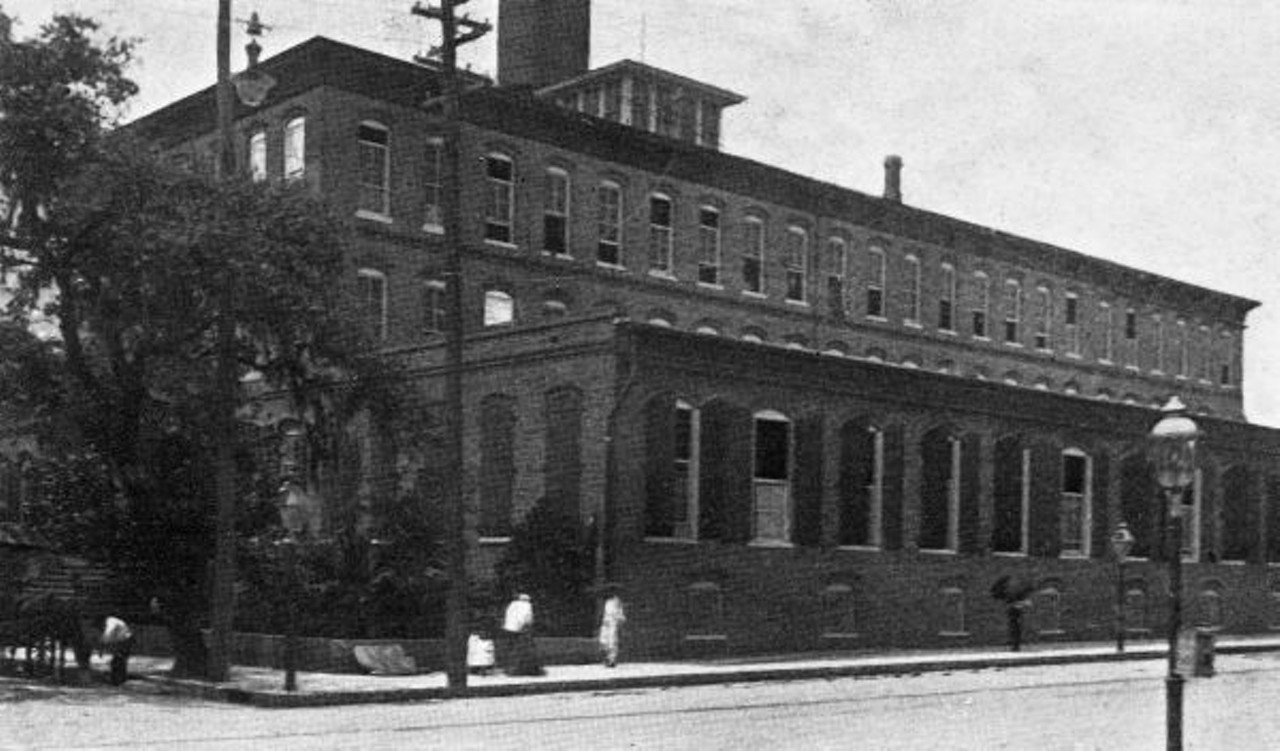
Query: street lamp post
point(291, 518)
point(1173, 445)
point(1121, 543)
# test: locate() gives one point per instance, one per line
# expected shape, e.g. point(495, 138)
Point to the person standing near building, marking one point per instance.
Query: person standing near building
point(517, 627)
point(611, 619)
point(117, 638)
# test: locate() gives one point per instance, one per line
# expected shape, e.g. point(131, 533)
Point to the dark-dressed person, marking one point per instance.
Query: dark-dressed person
point(517, 627)
point(1017, 599)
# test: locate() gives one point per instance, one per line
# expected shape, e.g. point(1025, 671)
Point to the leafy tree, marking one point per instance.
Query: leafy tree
point(142, 267)
point(551, 557)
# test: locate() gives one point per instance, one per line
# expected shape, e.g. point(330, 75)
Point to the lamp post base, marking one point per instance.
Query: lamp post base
point(1173, 720)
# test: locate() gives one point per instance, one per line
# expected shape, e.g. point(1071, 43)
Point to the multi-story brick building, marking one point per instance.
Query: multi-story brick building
point(804, 416)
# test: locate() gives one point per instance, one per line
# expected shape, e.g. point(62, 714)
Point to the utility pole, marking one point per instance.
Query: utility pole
point(455, 32)
point(222, 600)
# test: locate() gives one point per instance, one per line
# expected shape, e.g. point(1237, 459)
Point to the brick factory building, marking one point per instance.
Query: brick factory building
point(805, 417)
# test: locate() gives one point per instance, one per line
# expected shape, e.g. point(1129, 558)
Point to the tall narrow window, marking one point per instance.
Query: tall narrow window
point(434, 316)
point(1183, 348)
point(1205, 355)
point(660, 234)
point(1071, 320)
point(1157, 325)
point(562, 448)
point(708, 245)
point(258, 156)
point(753, 255)
point(373, 141)
point(940, 491)
point(295, 148)
point(371, 295)
point(837, 263)
point(797, 261)
point(611, 108)
point(641, 112)
point(1131, 338)
point(1044, 317)
point(1012, 491)
point(709, 126)
point(1074, 510)
point(947, 299)
point(772, 478)
point(875, 282)
point(432, 185)
point(861, 485)
point(499, 308)
point(981, 304)
point(555, 212)
point(500, 199)
point(1012, 310)
point(497, 465)
point(1107, 321)
point(1225, 368)
point(912, 291)
point(684, 512)
point(609, 224)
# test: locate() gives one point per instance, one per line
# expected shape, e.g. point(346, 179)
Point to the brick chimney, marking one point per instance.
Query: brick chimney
point(893, 178)
point(541, 42)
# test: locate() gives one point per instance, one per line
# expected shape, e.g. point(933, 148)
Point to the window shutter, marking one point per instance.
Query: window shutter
point(659, 442)
point(894, 451)
point(1046, 484)
point(806, 483)
point(725, 485)
point(856, 473)
point(1139, 507)
point(1103, 525)
point(970, 461)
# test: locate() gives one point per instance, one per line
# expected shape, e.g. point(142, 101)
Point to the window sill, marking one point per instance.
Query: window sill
point(913, 324)
point(797, 303)
point(778, 544)
point(753, 294)
point(612, 266)
point(841, 636)
point(947, 332)
point(659, 274)
point(705, 637)
point(561, 256)
point(433, 229)
point(1234, 563)
point(1105, 361)
point(981, 338)
point(373, 216)
point(877, 319)
point(1073, 556)
point(494, 540)
point(860, 548)
point(1008, 554)
point(1074, 355)
point(937, 551)
point(711, 285)
point(954, 634)
point(1017, 345)
point(501, 244)
point(671, 540)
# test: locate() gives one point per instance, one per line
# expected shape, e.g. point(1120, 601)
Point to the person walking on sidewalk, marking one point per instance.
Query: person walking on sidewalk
point(1017, 599)
point(517, 627)
point(117, 638)
point(611, 619)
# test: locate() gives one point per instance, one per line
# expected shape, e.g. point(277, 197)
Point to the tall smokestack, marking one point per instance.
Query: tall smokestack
point(541, 42)
point(893, 178)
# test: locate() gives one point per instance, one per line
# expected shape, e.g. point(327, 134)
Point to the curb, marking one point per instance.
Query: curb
point(278, 700)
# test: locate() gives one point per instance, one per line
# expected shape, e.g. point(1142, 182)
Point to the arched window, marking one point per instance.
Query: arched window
point(1012, 489)
point(771, 475)
point(861, 485)
point(434, 312)
point(258, 156)
point(1012, 310)
point(371, 296)
point(374, 174)
point(497, 465)
point(661, 229)
point(951, 603)
point(947, 299)
point(912, 291)
point(1071, 322)
point(555, 212)
point(1236, 498)
point(562, 463)
point(796, 261)
point(295, 148)
point(981, 304)
point(499, 308)
point(875, 282)
point(432, 185)
point(940, 491)
point(1044, 317)
point(1046, 607)
point(837, 265)
point(609, 224)
point(709, 245)
point(1107, 351)
point(839, 612)
point(1075, 510)
point(499, 210)
point(753, 255)
point(704, 612)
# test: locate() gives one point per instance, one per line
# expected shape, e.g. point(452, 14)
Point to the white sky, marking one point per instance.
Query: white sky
point(1141, 131)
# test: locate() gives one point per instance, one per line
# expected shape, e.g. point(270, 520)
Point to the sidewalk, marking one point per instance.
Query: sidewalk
point(265, 687)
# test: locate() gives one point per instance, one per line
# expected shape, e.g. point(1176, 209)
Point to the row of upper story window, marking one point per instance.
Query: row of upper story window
point(657, 107)
point(1017, 316)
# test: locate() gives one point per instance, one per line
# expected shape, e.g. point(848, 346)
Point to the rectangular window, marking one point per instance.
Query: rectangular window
point(1183, 349)
point(1158, 364)
point(371, 296)
point(555, 213)
point(640, 110)
point(1105, 316)
point(796, 261)
point(1044, 317)
point(1228, 357)
point(912, 291)
point(432, 185)
point(609, 225)
point(772, 479)
point(612, 107)
point(1074, 509)
point(660, 239)
point(753, 256)
point(837, 262)
point(875, 283)
point(684, 512)
point(433, 307)
point(1206, 354)
point(1012, 310)
point(708, 245)
point(665, 105)
point(1131, 338)
point(295, 148)
point(500, 203)
point(258, 156)
point(709, 126)
point(1071, 318)
point(947, 299)
point(981, 304)
point(375, 169)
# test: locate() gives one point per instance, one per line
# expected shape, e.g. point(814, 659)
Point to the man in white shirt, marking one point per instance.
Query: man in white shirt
point(517, 627)
point(117, 638)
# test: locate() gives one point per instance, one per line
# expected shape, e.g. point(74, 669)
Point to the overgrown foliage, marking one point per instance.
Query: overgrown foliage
point(551, 558)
